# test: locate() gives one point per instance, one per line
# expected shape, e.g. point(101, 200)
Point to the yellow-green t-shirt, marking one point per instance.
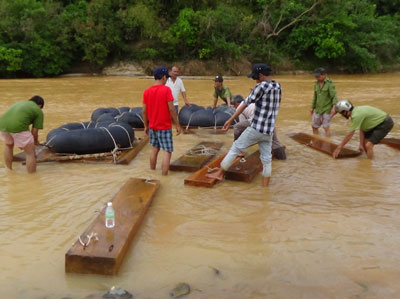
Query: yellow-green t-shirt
point(20, 116)
point(224, 93)
point(365, 118)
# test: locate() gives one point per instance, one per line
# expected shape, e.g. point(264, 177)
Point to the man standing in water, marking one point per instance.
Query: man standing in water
point(176, 85)
point(14, 130)
point(267, 98)
point(158, 110)
point(373, 123)
point(323, 104)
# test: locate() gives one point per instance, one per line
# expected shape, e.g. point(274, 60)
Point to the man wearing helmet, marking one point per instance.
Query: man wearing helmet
point(373, 123)
point(323, 104)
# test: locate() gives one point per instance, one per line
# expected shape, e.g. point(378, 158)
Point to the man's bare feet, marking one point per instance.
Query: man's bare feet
point(218, 175)
point(241, 155)
point(265, 181)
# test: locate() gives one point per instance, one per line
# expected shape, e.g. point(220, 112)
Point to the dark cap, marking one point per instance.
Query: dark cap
point(218, 79)
point(259, 68)
point(160, 71)
point(236, 99)
point(319, 71)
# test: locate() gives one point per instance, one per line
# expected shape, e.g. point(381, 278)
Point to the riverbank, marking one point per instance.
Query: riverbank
point(192, 68)
point(196, 68)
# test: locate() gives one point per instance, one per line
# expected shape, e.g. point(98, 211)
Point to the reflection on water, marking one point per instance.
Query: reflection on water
point(324, 229)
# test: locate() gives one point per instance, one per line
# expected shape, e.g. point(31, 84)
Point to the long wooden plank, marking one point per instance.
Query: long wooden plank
point(124, 157)
point(196, 157)
point(323, 146)
point(127, 156)
point(199, 177)
point(208, 130)
point(105, 256)
point(392, 142)
point(245, 169)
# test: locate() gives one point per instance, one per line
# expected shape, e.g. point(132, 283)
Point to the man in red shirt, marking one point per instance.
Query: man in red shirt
point(158, 111)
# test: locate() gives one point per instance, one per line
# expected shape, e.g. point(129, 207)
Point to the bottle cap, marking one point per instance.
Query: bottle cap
point(109, 204)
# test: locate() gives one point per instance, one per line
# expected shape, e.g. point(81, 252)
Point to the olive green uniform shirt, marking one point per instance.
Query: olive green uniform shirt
point(224, 93)
point(325, 97)
point(20, 116)
point(365, 118)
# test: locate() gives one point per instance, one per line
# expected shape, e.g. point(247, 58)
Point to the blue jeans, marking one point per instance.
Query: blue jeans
point(249, 137)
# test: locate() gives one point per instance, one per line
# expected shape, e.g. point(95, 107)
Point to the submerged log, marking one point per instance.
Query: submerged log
point(392, 142)
point(323, 146)
point(105, 255)
point(199, 177)
point(196, 157)
point(245, 169)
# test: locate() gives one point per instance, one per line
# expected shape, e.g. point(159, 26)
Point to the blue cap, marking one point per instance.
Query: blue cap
point(160, 71)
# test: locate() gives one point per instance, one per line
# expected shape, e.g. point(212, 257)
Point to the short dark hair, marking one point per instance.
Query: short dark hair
point(38, 100)
point(236, 99)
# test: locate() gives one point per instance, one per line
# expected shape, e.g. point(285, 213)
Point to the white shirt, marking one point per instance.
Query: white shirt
point(247, 113)
point(176, 88)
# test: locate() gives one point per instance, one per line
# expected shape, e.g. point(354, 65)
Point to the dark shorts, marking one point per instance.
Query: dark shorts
point(162, 139)
point(380, 131)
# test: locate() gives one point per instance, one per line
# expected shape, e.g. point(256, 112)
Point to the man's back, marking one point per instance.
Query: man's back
point(267, 97)
point(20, 116)
point(156, 99)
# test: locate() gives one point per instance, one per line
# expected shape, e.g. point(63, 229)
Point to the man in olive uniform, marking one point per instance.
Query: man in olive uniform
point(221, 91)
point(324, 101)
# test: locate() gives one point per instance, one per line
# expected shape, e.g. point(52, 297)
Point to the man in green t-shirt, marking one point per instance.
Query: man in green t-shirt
point(14, 130)
point(323, 103)
point(373, 123)
point(220, 90)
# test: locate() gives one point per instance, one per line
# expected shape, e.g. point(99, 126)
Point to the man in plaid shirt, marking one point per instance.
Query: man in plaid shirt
point(267, 97)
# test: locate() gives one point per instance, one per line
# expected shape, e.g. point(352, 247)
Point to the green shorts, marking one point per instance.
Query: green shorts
point(380, 131)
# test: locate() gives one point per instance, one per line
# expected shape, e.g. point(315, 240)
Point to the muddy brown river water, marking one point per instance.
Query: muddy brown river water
point(324, 228)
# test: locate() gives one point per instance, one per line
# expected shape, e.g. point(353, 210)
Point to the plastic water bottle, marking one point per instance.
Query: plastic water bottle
point(110, 216)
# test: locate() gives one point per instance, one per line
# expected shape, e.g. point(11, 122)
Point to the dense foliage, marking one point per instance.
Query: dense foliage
point(47, 37)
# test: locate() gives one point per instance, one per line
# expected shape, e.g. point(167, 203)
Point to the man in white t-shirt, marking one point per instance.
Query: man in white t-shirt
point(176, 85)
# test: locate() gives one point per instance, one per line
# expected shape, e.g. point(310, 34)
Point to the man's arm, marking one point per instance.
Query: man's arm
point(145, 121)
point(185, 99)
point(35, 133)
point(239, 111)
point(174, 117)
point(228, 101)
point(215, 102)
point(362, 142)
point(340, 146)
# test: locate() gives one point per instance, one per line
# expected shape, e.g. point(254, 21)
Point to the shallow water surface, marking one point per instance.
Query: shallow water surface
point(324, 228)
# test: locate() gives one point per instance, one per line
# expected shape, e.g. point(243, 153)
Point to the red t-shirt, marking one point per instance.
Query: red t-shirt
point(156, 99)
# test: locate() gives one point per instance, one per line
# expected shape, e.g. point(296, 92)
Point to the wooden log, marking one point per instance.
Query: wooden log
point(196, 157)
point(127, 156)
point(124, 157)
point(392, 142)
point(105, 256)
point(323, 146)
point(245, 169)
point(208, 130)
point(199, 177)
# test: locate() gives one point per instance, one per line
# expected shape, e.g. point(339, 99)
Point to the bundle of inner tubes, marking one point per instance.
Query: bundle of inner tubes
point(198, 116)
point(90, 137)
point(132, 116)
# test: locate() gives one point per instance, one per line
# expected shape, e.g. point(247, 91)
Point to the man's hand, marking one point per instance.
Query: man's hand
point(146, 130)
point(178, 129)
point(312, 112)
point(227, 125)
point(336, 152)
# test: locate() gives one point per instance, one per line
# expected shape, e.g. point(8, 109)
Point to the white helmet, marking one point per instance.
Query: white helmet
point(343, 105)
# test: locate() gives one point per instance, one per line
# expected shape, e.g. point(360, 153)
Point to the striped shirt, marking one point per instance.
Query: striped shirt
point(267, 97)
